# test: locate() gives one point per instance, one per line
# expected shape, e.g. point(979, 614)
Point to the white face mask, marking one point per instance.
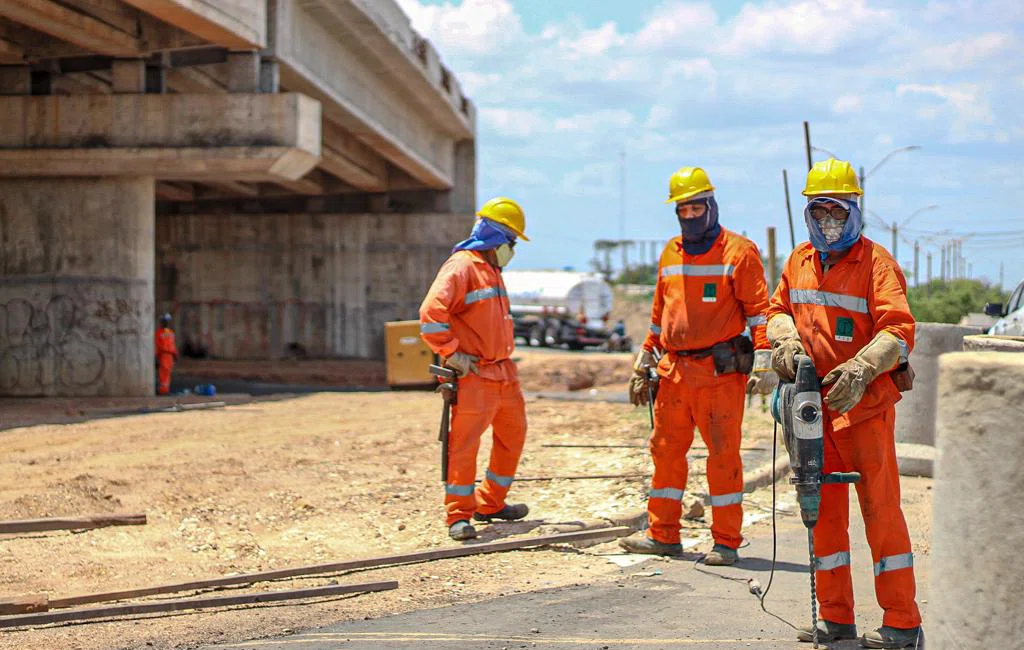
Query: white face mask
point(832, 228)
point(504, 253)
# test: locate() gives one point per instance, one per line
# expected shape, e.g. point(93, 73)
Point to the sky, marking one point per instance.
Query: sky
point(573, 96)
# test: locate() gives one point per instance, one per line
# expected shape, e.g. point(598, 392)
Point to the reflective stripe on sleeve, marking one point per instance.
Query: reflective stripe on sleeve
point(503, 481)
point(828, 299)
point(666, 493)
point(834, 561)
point(727, 499)
point(904, 350)
point(434, 328)
point(655, 330)
point(754, 321)
point(459, 490)
point(484, 294)
point(698, 270)
point(894, 562)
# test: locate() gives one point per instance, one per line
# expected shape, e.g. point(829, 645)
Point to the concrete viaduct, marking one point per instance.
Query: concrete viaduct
point(277, 174)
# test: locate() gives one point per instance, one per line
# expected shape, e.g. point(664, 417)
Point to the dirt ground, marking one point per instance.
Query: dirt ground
point(287, 481)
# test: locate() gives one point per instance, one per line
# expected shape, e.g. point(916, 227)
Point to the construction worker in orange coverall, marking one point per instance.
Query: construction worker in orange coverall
point(711, 287)
point(842, 301)
point(465, 318)
point(166, 354)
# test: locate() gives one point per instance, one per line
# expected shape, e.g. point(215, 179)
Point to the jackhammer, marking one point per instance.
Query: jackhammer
point(796, 406)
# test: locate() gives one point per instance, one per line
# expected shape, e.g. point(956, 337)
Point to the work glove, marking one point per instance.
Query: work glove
point(763, 379)
point(462, 363)
point(641, 378)
point(638, 390)
point(851, 378)
point(785, 340)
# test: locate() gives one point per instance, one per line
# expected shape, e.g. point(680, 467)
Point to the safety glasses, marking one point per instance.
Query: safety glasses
point(837, 212)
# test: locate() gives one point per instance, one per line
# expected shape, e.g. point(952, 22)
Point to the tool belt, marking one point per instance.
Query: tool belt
point(733, 355)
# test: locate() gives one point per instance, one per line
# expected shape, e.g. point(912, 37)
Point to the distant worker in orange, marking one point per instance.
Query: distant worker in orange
point(166, 354)
point(465, 319)
point(842, 300)
point(711, 287)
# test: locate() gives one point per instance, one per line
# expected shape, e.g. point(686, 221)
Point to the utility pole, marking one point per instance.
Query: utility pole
point(942, 264)
point(789, 211)
point(807, 144)
point(1000, 276)
point(894, 242)
point(772, 260)
point(863, 210)
point(622, 193)
point(970, 271)
point(654, 252)
point(917, 255)
point(929, 258)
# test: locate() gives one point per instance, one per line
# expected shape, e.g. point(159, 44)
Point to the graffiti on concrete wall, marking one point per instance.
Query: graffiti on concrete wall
point(47, 347)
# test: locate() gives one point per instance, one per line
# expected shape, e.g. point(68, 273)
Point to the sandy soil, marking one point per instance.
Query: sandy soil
point(319, 478)
point(291, 481)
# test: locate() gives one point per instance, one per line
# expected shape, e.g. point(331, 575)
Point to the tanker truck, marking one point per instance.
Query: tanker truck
point(556, 308)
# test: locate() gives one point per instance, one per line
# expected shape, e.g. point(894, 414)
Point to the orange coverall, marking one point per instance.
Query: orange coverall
point(467, 309)
point(837, 313)
point(701, 300)
point(166, 353)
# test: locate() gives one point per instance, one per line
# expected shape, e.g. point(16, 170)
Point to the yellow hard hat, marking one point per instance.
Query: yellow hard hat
point(507, 212)
point(687, 183)
point(832, 177)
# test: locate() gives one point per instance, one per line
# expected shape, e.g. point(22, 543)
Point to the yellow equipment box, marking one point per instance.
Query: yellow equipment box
point(408, 357)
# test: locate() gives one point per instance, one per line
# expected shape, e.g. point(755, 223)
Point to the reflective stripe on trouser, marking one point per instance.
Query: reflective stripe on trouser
point(693, 396)
point(165, 367)
point(867, 447)
point(483, 403)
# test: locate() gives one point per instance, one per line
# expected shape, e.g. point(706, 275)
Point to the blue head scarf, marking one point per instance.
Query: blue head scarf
point(851, 232)
point(699, 234)
point(486, 235)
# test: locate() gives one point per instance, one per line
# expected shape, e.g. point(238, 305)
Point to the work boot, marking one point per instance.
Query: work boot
point(892, 637)
point(510, 512)
point(640, 542)
point(721, 555)
point(461, 530)
point(828, 632)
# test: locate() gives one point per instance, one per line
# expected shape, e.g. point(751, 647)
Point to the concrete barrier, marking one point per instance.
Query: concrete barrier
point(985, 343)
point(915, 413)
point(976, 594)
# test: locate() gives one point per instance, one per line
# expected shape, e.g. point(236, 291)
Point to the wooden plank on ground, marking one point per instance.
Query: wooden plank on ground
point(336, 567)
point(71, 523)
point(205, 602)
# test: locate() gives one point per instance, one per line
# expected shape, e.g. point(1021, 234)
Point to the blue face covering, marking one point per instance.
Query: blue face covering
point(851, 232)
point(699, 234)
point(486, 235)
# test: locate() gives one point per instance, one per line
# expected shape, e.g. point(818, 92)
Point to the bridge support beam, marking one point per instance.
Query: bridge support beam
point(76, 286)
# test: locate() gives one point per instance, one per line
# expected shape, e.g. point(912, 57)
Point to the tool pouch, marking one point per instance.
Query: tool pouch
point(903, 377)
point(734, 355)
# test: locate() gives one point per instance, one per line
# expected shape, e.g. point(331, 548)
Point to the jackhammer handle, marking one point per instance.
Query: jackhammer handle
point(841, 477)
point(442, 372)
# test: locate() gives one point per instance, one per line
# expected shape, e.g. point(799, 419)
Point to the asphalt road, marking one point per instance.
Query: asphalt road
point(660, 603)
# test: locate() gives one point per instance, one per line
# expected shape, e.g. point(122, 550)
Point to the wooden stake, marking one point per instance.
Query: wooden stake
point(205, 602)
point(72, 523)
point(337, 567)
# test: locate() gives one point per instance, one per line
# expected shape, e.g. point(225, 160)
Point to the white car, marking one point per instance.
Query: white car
point(1011, 319)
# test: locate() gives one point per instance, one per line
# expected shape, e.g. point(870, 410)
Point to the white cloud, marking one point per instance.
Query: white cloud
point(675, 23)
point(810, 26)
point(511, 122)
point(514, 176)
point(594, 179)
point(965, 100)
point(960, 55)
point(476, 27)
point(847, 104)
point(595, 121)
point(475, 82)
point(588, 42)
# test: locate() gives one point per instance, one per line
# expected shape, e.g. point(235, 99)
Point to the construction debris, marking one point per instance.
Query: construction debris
point(178, 605)
point(71, 523)
point(41, 602)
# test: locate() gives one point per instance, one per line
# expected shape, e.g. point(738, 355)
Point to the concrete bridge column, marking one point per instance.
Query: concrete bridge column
point(76, 286)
